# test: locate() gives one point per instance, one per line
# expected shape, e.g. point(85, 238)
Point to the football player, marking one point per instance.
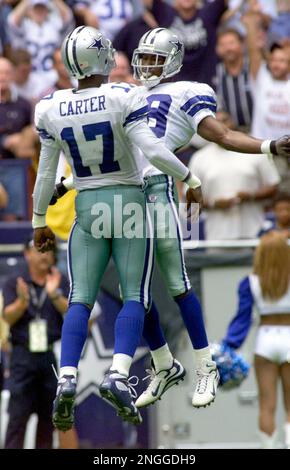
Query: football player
point(99, 127)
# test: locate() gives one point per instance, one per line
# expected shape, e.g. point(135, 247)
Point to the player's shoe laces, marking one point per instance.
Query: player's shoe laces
point(207, 383)
point(160, 382)
point(119, 391)
point(63, 405)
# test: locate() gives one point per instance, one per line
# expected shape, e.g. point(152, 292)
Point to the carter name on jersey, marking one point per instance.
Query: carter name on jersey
point(87, 105)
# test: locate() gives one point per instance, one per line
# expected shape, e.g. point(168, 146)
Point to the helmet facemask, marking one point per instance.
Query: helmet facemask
point(163, 54)
point(146, 72)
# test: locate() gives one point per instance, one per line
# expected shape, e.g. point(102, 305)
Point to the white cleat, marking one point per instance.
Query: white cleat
point(207, 383)
point(159, 383)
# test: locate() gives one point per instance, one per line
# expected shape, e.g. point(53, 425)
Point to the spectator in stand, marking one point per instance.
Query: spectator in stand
point(281, 222)
point(195, 26)
point(62, 79)
point(234, 187)
point(270, 86)
point(15, 112)
point(128, 37)
point(232, 79)
point(232, 18)
point(122, 71)
point(26, 83)
point(4, 43)
point(108, 17)
point(39, 27)
point(34, 304)
point(15, 117)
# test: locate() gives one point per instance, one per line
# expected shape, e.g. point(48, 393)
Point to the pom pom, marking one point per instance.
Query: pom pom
point(232, 367)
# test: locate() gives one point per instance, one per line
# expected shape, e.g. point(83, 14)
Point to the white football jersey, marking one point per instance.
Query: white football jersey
point(90, 127)
point(175, 111)
point(41, 42)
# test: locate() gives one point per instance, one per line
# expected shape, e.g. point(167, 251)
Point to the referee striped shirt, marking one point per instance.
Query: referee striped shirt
point(234, 94)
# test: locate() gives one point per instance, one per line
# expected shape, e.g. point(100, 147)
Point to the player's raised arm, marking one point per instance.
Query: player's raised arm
point(215, 131)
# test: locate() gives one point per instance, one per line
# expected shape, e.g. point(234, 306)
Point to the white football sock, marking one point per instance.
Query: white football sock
point(68, 370)
point(162, 358)
point(200, 354)
point(121, 363)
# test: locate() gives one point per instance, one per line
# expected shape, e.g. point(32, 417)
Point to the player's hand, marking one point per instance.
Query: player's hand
point(283, 146)
point(59, 191)
point(194, 203)
point(44, 239)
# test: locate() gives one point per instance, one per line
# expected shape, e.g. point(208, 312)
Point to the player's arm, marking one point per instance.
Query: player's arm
point(43, 190)
point(158, 155)
point(214, 131)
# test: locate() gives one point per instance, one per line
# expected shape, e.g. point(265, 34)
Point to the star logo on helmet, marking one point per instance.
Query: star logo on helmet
point(98, 45)
point(178, 44)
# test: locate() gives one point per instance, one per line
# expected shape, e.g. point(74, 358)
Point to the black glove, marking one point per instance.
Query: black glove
point(59, 191)
point(281, 146)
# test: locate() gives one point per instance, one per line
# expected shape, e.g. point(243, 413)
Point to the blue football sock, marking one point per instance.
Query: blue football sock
point(129, 327)
point(152, 332)
point(191, 312)
point(74, 334)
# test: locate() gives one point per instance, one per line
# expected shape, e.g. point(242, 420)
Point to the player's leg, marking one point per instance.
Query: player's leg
point(133, 256)
point(267, 374)
point(87, 261)
point(166, 371)
point(170, 258)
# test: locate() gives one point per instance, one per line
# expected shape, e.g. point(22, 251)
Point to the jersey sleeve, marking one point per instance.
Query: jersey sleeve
point(44, 129)
point(240, 325)
point(136, 108)
point(48, 160)
point(198, 102)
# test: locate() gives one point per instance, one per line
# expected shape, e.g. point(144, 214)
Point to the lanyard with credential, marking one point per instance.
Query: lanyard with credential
point(38, 338)
point(36, 301)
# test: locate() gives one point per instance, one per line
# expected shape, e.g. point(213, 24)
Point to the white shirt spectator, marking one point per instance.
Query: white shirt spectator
point(32, 90)
point(223, 174)
point(40, 40)
point(271, 117)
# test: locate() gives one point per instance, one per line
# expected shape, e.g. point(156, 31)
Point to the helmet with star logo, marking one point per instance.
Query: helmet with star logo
point(85, 52)
point(159, 55)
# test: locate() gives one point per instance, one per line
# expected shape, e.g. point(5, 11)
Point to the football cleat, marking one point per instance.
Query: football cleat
point(63, 405)
point(119, 392)
point(207, 383)
point(160, 382)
